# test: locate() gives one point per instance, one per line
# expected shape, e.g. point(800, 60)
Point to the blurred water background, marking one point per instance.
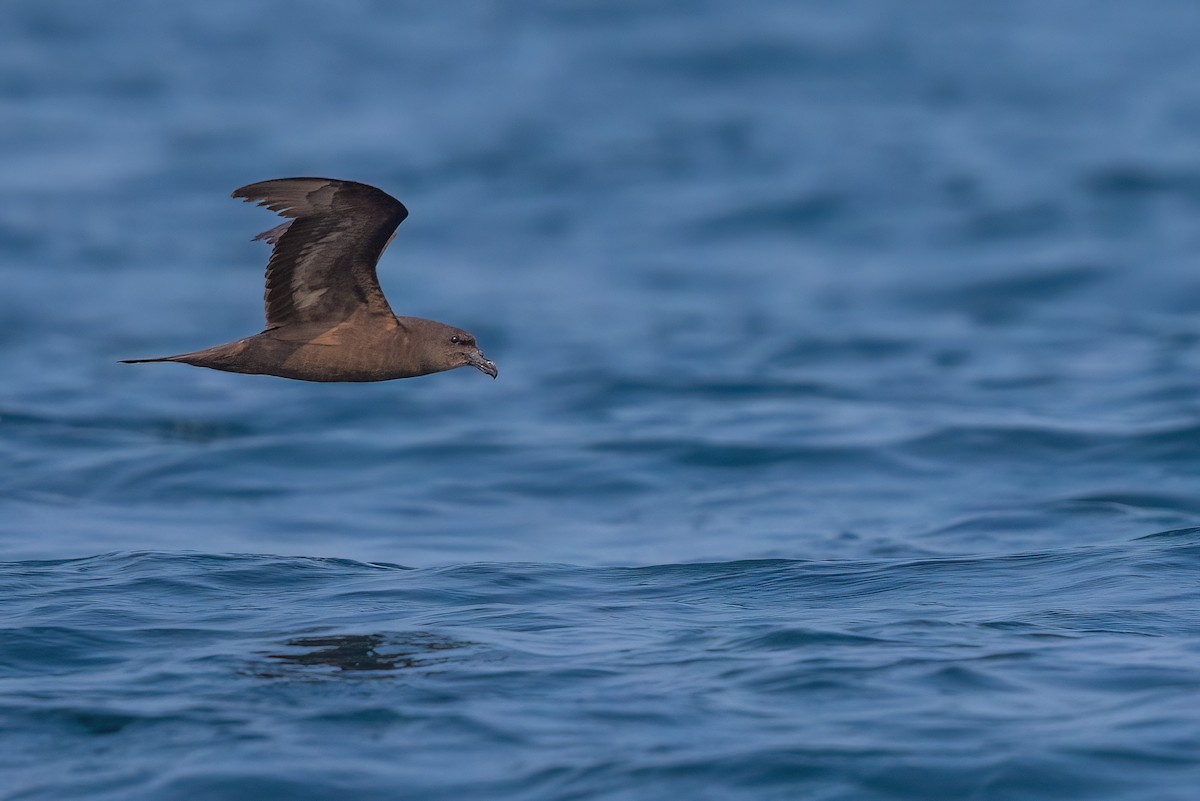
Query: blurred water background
point(845, 444)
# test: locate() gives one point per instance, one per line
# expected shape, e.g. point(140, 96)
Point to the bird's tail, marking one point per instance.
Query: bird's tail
point(218, 357)
point(179, 357)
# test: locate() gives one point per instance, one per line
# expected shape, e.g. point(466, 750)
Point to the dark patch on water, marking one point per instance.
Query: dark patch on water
point(850, 366)
point(363, 652)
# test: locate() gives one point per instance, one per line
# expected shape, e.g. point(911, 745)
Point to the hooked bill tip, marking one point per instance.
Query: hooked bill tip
point(481, 363)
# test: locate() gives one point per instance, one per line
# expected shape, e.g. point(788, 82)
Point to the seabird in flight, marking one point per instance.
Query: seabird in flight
point(327, 318)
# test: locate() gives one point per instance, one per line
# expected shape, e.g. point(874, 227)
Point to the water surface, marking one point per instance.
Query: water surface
point(845, 446)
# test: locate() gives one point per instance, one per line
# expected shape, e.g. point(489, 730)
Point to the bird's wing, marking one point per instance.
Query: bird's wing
point(322, 266)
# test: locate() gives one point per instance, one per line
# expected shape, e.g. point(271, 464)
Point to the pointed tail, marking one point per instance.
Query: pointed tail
point(175, 358)
point(218, 357)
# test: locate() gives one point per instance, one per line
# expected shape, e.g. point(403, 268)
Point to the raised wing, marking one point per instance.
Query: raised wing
point(322, 266)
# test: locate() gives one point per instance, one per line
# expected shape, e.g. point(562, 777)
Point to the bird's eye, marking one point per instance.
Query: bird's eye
point(454, 340)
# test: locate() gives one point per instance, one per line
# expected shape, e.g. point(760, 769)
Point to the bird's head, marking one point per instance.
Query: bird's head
point(465, 351)
point(446, 347)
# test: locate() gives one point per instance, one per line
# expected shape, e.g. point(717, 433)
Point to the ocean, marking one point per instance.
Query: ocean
point(846, 442)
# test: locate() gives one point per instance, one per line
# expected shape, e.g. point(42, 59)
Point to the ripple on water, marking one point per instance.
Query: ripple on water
point(686, 659)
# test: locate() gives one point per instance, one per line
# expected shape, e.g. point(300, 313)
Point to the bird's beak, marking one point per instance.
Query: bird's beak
point(481, 363)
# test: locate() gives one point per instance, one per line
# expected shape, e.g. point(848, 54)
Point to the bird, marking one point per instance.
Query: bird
point(327, 318)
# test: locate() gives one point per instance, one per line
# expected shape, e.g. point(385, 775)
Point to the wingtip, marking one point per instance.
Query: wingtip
point(273, 235)
point(253, 192)
point(243, 191)
point(244, 194)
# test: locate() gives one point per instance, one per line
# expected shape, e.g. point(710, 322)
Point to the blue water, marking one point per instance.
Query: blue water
point(846, 443)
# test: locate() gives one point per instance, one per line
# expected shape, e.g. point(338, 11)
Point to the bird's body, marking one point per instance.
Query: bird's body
point(327, 318)
point(347, 351)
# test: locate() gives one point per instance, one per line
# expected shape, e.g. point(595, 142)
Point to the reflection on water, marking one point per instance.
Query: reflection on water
point(359, 652)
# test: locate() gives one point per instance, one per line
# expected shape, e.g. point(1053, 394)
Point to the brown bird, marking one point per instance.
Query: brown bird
point(327, 318)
